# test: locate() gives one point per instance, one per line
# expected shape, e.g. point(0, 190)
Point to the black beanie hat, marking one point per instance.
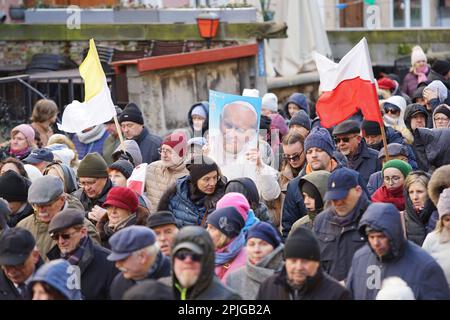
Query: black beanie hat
point(131, 113)
point(302, 244)
point(227, 220)
point(441, 66)
point(123, 166)
point(14, 187)
point(444, 109)
point(371, 128)
point(200, 166)
point(93, 166)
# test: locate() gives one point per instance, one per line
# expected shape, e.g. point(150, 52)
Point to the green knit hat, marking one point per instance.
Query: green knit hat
point(404, 167)
point(93, 166)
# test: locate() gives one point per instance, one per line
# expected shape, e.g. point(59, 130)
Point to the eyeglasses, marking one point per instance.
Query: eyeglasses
point(164, 151)
point(441, 119)
point(344, 139)
point(87, 183)
point(393, 179)
point(183, 254)
point(294, 157)
point(65, 236)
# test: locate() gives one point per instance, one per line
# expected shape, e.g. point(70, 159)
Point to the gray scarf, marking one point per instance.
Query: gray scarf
point(92, 135)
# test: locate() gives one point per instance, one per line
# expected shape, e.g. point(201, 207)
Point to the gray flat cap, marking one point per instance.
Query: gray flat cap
point(45, 189)
point(66, 219)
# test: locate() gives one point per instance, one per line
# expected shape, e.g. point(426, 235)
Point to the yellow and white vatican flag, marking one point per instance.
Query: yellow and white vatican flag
point(97, 107)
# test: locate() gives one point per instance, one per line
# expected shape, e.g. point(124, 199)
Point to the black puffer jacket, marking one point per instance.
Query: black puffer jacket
point(208, 286)
point(432, 148)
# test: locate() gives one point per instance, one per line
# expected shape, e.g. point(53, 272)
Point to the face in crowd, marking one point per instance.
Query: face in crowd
point(131, 129)
point(165, 234)
point(294, 154)
point(318, 159)
point(345, 205)
point(348, 144)
point(238, 126)
point(393, 178)
point(93, 187)
point(187, 267)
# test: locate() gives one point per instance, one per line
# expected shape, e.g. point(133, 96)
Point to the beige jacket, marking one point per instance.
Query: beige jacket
point(158, 178)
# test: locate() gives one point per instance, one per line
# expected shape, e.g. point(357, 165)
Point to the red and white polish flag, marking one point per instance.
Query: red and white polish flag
point(347, 86)
point(136, 181)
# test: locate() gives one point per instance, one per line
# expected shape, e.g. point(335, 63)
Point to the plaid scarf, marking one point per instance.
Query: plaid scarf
point(75, 256)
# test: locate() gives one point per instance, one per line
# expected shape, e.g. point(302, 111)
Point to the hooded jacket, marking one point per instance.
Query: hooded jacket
point(205, 106)
point(300, 100)
point(405, 260)
point(338, 242)
point(160, 268)
point(178, 200)
point(97, 273)
point(247, 280)
point(208, 286)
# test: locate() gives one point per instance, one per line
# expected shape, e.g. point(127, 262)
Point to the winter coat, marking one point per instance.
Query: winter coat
point(148, 144)
point(205, 106)
point(110, 144)
point(14, 219)
point(319, 287)
point(160, 268)
point(365, 162)
point(105, 231)
point(406, 260)
point(432, 148)
point(293, 207)
point(247, 279)
point(300, 100)
point(208, 286)
point(158, 178)
point(89, 203)
point(97, 273)
point(438, 246)
point(224, 270)
point(39, 229)
point(409, 84)
point(178, 200)
point(375, 182)
point(84, 148)
point(338, 242)
point(419, 225)
point(8, 290)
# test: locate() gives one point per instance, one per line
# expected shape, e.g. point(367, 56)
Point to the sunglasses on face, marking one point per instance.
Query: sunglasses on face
point(392, 111)
point(344, 139)
point(183, 254)
point(294, 157)
point(65, 236)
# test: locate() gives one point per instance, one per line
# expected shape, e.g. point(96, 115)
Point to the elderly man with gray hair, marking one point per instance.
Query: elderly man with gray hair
point(137, 255)
point(46, 196)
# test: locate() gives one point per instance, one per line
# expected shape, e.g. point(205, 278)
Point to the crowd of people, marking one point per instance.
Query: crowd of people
point(326, 213)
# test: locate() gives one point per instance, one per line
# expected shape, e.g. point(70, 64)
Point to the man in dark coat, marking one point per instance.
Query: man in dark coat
point(302, 278)
point(432, 147)
point(387, 253)
point(19, 259)
point(137, 256)
point(360, 157)
point(336, 226)
point(132, 123)
point(74, 245)
point(193, 276)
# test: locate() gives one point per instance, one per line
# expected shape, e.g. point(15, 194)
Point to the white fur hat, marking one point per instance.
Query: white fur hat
point(270, 101)
point(417, 55)
point(394, 288)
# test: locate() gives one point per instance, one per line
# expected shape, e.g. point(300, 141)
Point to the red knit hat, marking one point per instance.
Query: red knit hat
point(178, 142)
point(386, 84)
point(122, 197)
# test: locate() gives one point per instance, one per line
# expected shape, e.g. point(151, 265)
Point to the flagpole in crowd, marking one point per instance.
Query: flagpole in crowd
point(119, 133)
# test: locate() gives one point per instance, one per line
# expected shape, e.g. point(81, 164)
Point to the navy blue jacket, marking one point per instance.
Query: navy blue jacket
point(366, 162)
point(432, 148)
point(293, 206)
point(406, 260)
point(339, 241)
point(148, 144)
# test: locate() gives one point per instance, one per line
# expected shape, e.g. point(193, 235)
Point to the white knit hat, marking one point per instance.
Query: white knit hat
point(394, 288)
point(417, 55)
point(270, 101)
point(251, 93)
point(443, 205)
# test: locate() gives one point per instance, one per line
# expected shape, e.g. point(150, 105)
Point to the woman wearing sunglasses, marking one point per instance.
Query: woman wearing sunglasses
point(394, 174)
point(394, 112)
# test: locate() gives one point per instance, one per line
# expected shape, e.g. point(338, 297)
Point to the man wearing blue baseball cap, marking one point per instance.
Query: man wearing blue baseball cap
point(137, 256)
point(39, 158)
point(336, 226)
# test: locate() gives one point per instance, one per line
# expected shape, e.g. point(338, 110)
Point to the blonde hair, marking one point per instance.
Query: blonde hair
point(416, 177)
point(62, 139)
point(44, 110)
